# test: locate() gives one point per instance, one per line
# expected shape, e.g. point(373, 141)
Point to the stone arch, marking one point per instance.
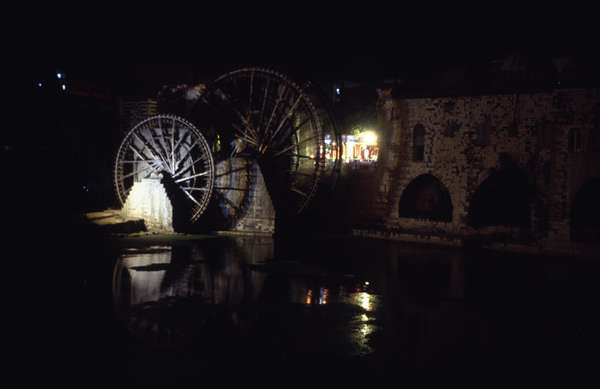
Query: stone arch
point(502, 199)
point(585, 213)
point(426, 197)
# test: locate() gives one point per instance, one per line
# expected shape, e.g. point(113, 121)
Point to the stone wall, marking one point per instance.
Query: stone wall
point(243, 199)
point(259, 216)
point(132, 111)
point(470, 138)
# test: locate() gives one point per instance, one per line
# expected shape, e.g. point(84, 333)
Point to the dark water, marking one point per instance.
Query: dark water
point(247, 309)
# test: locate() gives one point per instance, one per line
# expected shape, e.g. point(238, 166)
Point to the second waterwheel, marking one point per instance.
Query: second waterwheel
point(266, 118)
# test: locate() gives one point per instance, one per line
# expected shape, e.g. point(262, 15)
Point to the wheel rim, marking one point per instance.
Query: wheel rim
point(271, 120)
point(171, 146)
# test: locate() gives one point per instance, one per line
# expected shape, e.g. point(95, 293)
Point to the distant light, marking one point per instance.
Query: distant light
point(59, 75)
point(369, 138)
point(40, 84)
point(308, 299)
point(337, 91)
point(367, 283)
point(323, 296)
point(63, 87)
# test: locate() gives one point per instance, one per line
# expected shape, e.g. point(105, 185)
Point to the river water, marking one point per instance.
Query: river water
point(351, 308)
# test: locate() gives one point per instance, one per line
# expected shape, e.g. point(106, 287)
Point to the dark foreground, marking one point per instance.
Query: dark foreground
point(223, 309)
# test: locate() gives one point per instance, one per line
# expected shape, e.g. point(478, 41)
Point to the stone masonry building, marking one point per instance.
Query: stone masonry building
point(512, 170)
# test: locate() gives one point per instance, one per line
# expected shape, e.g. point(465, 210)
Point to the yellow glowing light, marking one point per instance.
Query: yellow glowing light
point(366, 329)
point(364, 317)
point(308, 299)
point(369, 138)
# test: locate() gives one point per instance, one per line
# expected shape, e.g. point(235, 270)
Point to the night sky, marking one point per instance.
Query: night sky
point(338, 48)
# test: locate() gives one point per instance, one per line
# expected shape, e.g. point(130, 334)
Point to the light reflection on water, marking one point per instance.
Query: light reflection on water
point(365, 300)
point(171, 296)
point(364, 324)
point(375, 303)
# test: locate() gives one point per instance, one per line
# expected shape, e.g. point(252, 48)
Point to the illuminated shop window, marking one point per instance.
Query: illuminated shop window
point(359, 148)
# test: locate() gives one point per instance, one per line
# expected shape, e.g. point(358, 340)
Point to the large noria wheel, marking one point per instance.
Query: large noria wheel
point(265, 117)
point(173, 147)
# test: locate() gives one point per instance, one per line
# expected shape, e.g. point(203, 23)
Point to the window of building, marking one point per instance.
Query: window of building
point(574, 140)
point(418, 143)
point(547, 169)
point(452, 127)
point(556, 102)
point(482, 135)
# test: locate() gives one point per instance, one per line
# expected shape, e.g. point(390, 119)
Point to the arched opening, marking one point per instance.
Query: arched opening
point(501, 200)
point(426, 198)
point(585, 213)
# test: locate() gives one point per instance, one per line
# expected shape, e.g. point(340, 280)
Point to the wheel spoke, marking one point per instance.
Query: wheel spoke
point(262, 110)
point(144, 148)
point(152, 150)
point(295, 145)
point(295, 190)
point(295, 130)
point(192, 176)
point(237, 112)
point(158, 140)
point(250, 97)
point(142, 158)
point(286, 117)
point(137, 172)
point(173, 147)
point(189, 151)
point(202, 158)
point(192, 198)
point(160, 149)
point(243, 135)
point(176, 148)
point(279, 100)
